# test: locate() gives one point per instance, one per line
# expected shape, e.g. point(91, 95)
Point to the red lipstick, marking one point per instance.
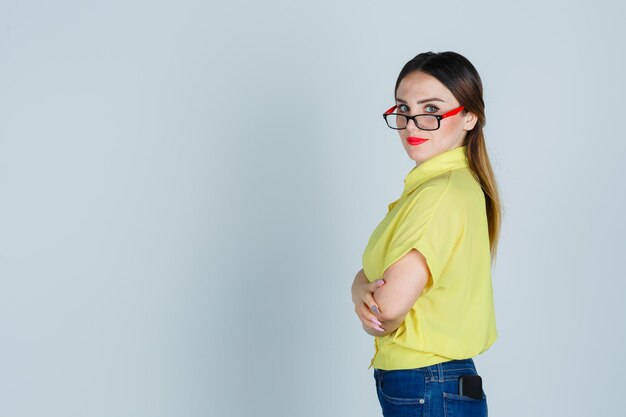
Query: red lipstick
point(412, 140)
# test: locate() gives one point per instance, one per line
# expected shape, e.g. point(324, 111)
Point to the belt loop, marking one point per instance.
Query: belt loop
point(431, 376)
point(439, 372)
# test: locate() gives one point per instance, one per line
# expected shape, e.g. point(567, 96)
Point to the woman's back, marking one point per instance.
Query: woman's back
point(441, 214)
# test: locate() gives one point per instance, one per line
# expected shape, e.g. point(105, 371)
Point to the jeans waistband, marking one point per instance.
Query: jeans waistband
point(436, 372)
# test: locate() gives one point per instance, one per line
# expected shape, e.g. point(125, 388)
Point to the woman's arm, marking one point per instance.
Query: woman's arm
point(389, 326)
point(364, 304)
point(404, 282)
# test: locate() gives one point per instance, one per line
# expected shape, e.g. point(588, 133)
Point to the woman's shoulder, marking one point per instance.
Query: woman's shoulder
point(454, 183)
point(454, 188)
point(463, 192)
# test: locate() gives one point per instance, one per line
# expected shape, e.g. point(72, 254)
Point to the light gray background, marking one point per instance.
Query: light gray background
point(187, 188)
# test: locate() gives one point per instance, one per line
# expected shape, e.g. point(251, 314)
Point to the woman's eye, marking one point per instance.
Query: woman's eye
point(434, 107)
point(403, 108)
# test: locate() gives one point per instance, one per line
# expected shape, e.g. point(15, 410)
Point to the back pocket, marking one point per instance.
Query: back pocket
point(455, 405)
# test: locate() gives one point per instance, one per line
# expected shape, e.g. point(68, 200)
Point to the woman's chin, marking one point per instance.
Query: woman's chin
point(414, 153)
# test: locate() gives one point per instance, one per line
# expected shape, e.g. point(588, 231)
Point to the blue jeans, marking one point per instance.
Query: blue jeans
point(429, 391)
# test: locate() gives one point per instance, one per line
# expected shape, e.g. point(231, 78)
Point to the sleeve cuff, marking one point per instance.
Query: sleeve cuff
point(431, 259)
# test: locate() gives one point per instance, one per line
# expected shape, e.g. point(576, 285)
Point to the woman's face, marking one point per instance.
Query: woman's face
point(421, 93)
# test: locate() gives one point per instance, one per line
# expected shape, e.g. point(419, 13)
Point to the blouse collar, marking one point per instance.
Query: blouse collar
point(438, 164)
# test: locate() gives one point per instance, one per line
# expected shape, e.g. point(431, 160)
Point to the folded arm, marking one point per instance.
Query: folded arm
point(404, 282)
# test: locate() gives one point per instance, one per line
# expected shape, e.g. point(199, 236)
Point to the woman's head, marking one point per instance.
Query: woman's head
point(435, 83)
point(453, 80)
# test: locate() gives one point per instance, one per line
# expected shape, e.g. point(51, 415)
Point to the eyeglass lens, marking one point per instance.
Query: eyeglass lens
point(399, 121)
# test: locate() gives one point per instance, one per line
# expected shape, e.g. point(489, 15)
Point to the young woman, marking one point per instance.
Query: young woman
point(425, 289)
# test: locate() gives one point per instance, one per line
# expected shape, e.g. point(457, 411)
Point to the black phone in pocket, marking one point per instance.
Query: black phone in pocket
point(471, 386)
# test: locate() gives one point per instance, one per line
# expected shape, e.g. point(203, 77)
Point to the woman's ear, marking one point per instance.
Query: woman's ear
point(470, 121)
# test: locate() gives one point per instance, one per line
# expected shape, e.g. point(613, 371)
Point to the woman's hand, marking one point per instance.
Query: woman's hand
point(364, 304)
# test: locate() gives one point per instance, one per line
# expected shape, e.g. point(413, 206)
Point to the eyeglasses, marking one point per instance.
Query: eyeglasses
point(399, 121)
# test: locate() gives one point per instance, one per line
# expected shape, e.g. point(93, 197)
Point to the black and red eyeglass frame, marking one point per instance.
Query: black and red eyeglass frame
point(438, 116)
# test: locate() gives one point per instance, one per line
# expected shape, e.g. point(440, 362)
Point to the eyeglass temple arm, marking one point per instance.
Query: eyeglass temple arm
point(452, 112)
point(391, 109)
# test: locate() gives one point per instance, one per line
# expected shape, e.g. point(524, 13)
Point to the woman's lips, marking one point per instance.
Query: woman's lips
point(415, 141)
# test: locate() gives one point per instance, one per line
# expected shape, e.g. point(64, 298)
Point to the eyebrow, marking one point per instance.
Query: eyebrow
point(421, 101)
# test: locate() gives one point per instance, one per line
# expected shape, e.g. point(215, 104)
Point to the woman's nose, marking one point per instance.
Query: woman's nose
point(408, 124)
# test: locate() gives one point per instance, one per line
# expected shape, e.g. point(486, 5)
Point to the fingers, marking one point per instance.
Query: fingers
point(371, 303)
point(360, 288)
point(365, 305)
point(367, 318)
point(377, 284)
point(366, 295)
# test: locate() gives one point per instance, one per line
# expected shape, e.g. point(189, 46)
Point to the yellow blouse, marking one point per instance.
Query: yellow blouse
point(442, 214)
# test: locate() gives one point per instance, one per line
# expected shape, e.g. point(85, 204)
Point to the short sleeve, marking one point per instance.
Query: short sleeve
point(433, 223)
